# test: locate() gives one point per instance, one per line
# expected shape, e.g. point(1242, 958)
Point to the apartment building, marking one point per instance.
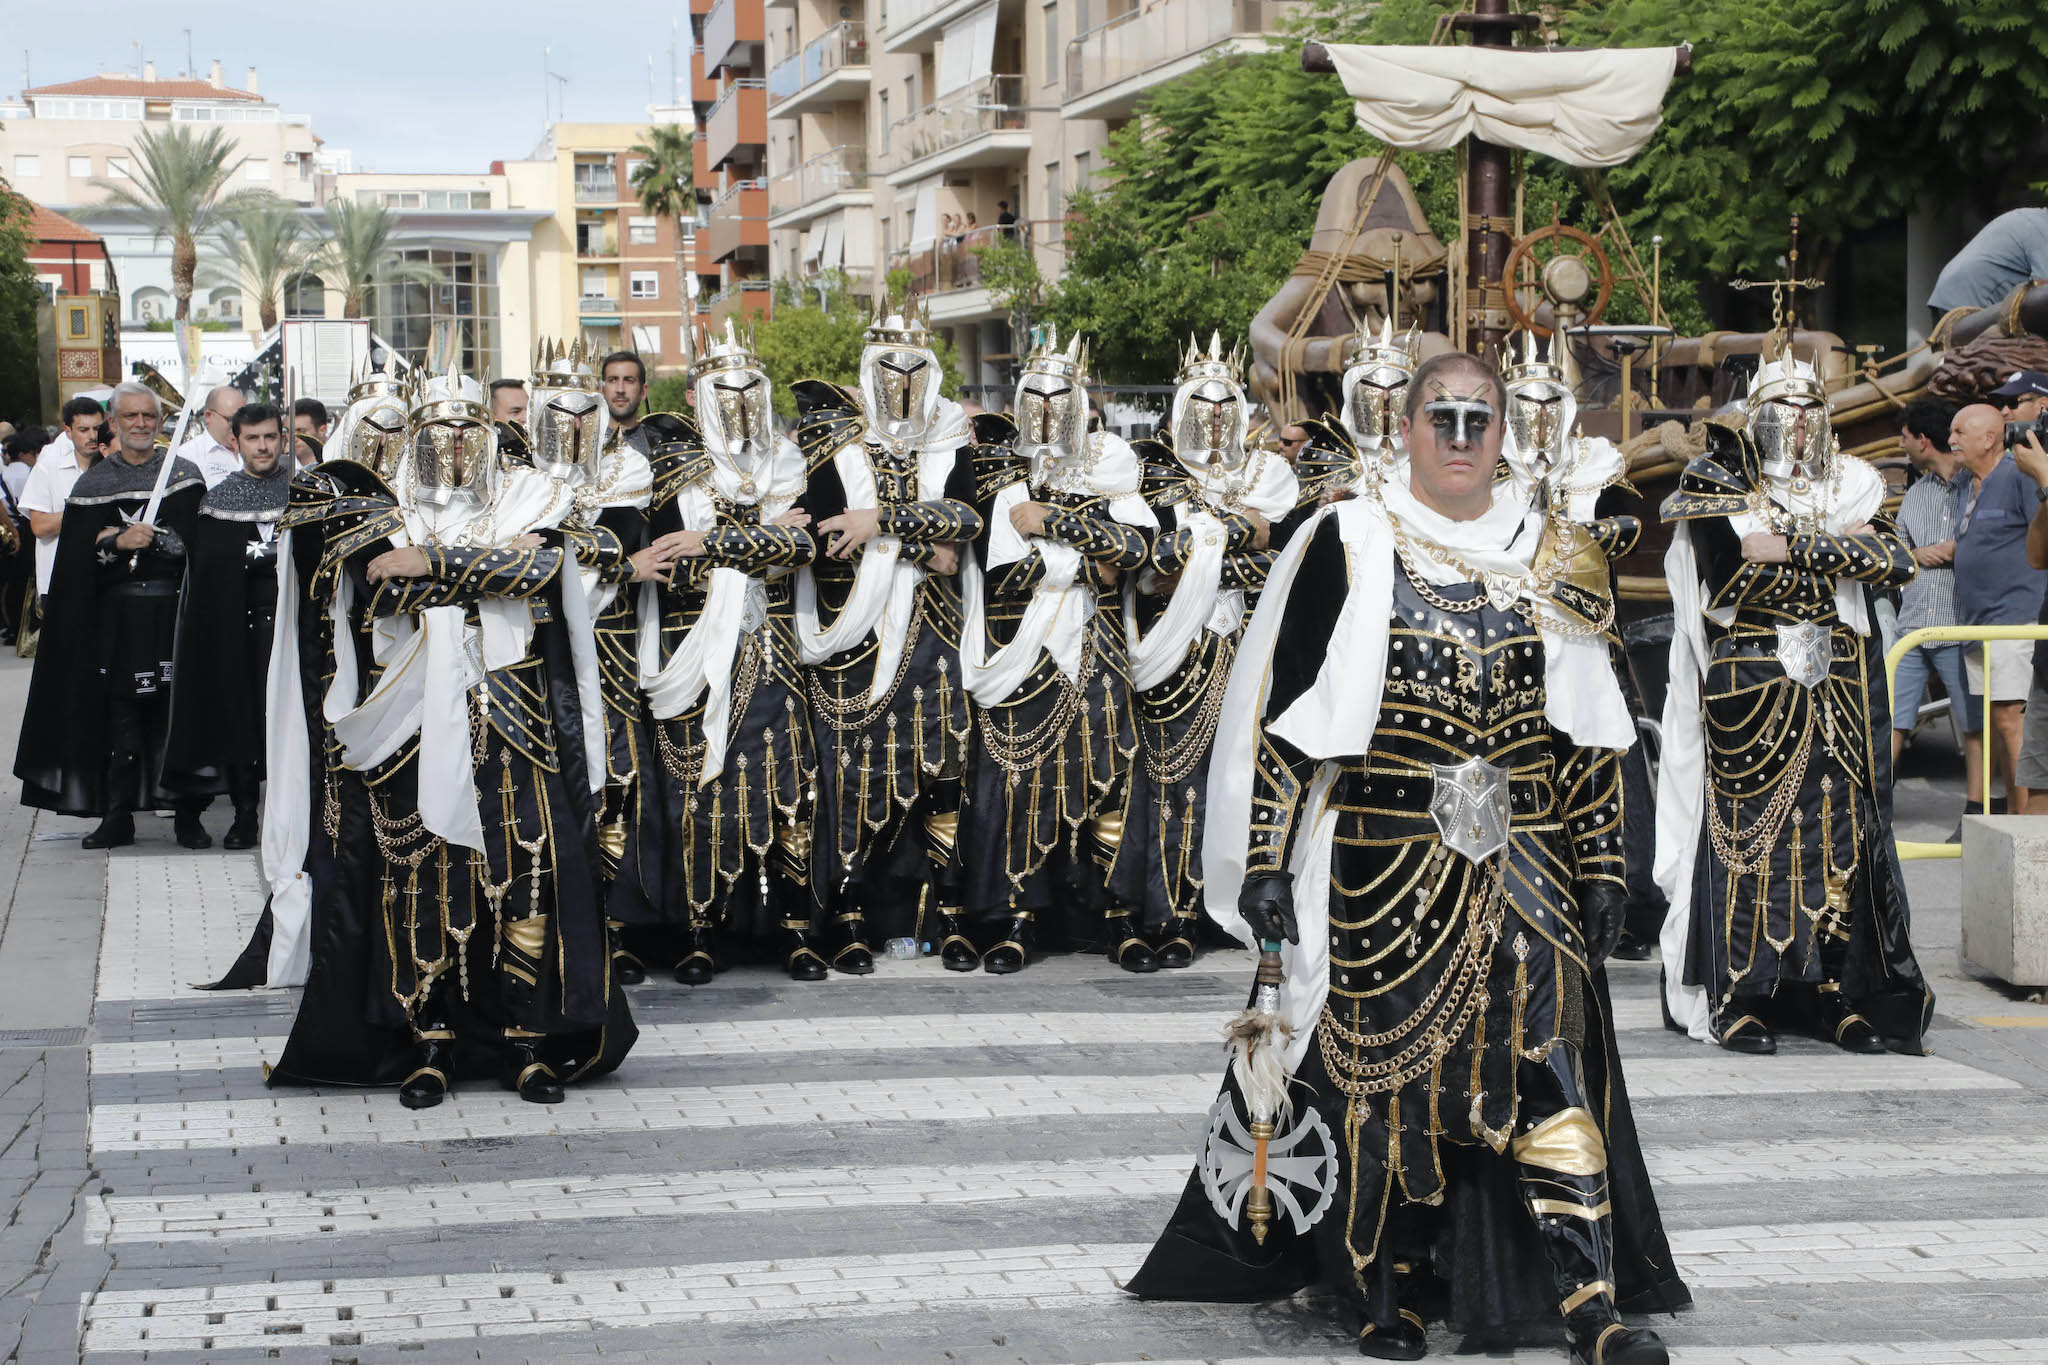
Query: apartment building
point(898, 130)
point(728, 88)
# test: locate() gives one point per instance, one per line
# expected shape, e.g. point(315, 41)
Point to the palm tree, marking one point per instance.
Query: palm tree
point(360, 253)
point(665, 183)
point(264, 248)
point(177, 186)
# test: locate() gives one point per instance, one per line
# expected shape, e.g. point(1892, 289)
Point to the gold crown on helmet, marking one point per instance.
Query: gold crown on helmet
point(374, 383)
point(1384, 349)
point(1071, 364)
point(557, 367)
point(1197, 364)
point(911, 328)
point(1560, 366)
point(716, 352)
point(450, 396)
point(1787, 377)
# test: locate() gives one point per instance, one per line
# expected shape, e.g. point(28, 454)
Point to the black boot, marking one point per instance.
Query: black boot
point(1629, 948)
point(1126, 949)
point(697, 966)
point(799, 957)
point(956, 950)
point(117, 830)
point(191, 834)
point(1619, 1344)
point(1403, 1339)
point(1842, 1026)
point(1747, 1033)
point(853, 956)
point(241, 834)
point(245, 792)
point(525, 1072)
point(627, 969)
point(433, 1067)
point(1014, 951)
point(1177, 949)
point(1570, 1206)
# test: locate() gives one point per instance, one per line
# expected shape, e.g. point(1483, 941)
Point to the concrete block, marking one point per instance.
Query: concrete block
point(2005, 896)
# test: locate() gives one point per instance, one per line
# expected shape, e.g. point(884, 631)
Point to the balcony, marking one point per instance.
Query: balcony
point(598, 310)
point(816, 187)
point(981, 124)
point(833, 67)
point(731, 31)
point(739, 219)
point(915, 25)
point(703, 85)
point(741, 299)
point(595, 189)
point(739, 119)
point(1111, 65)
point(595, 243)
point(951, 262)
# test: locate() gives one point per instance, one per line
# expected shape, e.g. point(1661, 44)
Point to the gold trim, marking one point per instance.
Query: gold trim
point(530, 1068)
point(1587, 1294)
point(1567, 1141)
point(436, 1072)
point(529, 935)
point(1564, 1208)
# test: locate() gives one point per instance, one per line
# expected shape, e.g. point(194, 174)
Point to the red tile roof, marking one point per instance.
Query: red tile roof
point(131, 88)
point(47, 226)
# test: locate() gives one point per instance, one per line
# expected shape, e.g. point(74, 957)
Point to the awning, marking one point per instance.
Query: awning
point(924, 224)
point(967, 51)
point(834, 250)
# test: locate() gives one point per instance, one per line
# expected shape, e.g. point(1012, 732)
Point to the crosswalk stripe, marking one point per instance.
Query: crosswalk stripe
point(245, 1216)
point(402, 1309)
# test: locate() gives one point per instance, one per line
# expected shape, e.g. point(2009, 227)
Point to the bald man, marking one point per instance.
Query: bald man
point(1995, 584)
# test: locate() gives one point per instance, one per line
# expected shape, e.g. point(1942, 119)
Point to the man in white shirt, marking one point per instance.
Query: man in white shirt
point(49, 483)
point(213, 449)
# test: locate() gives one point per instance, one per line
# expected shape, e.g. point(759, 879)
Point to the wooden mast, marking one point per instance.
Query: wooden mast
point(1489, 225)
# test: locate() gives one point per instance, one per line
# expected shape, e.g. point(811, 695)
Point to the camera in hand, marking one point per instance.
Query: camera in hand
point(2016, 432)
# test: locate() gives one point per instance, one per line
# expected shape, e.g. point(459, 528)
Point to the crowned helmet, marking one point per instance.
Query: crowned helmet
point(731, 389)
point(1210, 415)
point(454, 442)
point(1543, 406)
point(1787, 409)
point(1377, 368)
point(899, 371)
point(567, 415)
point(372, 430)
point(1052, 400)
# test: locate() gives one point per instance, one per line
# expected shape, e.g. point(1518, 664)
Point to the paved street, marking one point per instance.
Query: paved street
point(910, 1167)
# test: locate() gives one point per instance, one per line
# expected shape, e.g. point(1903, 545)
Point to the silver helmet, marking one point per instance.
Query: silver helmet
point(372, 430)
point(1542, 411)
point(1375, 384)
point(899, 372)
point(454, 455)
point(1788, 418)
point(1210, 415)
point(734, 410)
point(1052, 405)
point(567, 416)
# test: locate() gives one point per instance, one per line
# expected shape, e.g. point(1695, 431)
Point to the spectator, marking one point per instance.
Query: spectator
point(23, 449)
point(1994, 583)
point(1005, 219)
point(623, 381)
point(1927, 518)
point(2011, 250)
point(1292, 438)
point(6, 430)
point(971, 226)
point(50, 482)
point(309, 418)
point(508, 400)
point(213, 449)
point(2032, 459)
point(306, 449)
point(2023, 396)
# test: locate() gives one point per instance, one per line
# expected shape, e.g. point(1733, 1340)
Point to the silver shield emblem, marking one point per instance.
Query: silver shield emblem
point(1803, 652)
point(1470, 807)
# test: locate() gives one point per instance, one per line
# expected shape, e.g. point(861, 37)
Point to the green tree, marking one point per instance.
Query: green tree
point(263, 248)
point(178, 185)
point(665, 184)
point(360, 253)
point(20, 296)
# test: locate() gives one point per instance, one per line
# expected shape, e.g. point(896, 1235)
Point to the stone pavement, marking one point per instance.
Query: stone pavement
point(911, 1167)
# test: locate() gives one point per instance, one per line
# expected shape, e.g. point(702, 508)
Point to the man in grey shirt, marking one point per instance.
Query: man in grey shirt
point(2011, 250)
point(1927, 518)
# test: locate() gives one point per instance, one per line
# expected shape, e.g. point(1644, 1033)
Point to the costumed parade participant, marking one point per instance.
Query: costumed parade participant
point(1557, 467)
point(1774, 805)
point(471, 743)
point(1219, 505)
point(1358, 450)
point(1415, 810)
point(225, 626)
point(718, 661)
point(890, 491)
point(1052, 780)
point(572, 441)
point(98, 712)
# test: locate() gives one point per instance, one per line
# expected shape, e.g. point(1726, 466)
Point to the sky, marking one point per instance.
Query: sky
point(405, 87)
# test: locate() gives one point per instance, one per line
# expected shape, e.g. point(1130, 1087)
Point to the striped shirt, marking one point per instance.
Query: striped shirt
point(1927, 516)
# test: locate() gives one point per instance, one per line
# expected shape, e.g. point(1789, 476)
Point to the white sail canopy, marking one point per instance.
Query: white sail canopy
point(1594, 108)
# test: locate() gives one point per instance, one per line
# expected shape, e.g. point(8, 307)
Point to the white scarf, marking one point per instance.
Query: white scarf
point(702, 664)
point(1063, 600)
point(884, 584)
point(626, 480)
point(1198, 600)
point(1858, 493)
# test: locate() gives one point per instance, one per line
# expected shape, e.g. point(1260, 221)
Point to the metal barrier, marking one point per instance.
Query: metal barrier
point(1936, 635)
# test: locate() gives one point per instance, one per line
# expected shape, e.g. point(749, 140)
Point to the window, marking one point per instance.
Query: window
point(479, 199)
point(885, 122)
point(1055, 202)
point(257, 170)
point(596, 285)
point(78, 167)
point(639, 231)
point(463, 306)
point(1082, 163)
point(1053, 52)
point(646, 284)
point(117, 168)
point(647, 339)
point(27, 167)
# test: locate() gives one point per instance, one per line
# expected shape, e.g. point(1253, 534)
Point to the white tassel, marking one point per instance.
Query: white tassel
point(1257, 1038)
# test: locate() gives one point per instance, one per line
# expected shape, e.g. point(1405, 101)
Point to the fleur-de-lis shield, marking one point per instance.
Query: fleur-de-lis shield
point(1803, 652)
point(1470, 807)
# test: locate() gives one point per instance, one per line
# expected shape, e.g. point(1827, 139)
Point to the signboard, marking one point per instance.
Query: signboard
point(322, 357)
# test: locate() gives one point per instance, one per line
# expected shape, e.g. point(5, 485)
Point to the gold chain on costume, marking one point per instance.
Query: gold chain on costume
point(845, 716)
point(1763, 835)
point(1179, 761)
point(1016, 754)
point(1537, 582)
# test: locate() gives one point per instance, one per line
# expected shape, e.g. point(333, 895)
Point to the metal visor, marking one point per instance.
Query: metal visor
point(1373, 395)
point(1209, 425)
point(1539, 419)
point(377, 439)
point(1790, 431)
point(900, 386)
point(454, 461)
point(568, 429)
point(740, 411)
point(1051, 417)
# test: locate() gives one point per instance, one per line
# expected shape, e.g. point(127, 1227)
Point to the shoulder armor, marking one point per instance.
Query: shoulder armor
point(1718, 482)
point(828, 416)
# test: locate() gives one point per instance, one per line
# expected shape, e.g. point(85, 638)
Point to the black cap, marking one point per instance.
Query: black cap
point(2022, 384)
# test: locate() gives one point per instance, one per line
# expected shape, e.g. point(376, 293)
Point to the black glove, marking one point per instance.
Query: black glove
point(1267, 903)
point(1602, 908)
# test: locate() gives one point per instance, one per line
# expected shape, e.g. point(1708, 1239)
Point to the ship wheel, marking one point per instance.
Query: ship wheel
point(1562, 265)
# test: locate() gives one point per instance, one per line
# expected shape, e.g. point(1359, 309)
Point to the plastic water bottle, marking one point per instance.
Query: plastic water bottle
point(902, 949)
